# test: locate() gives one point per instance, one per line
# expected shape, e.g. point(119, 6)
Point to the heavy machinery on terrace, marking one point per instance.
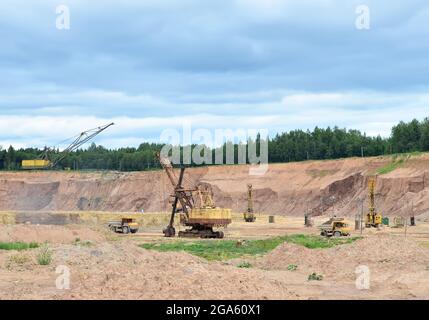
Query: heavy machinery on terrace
point(249, 215)
point(50, 158)
point(373, 218)
point(199, 213)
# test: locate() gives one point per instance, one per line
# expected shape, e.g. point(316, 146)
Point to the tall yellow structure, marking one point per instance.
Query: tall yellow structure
point(249, 215)
point(373, 218)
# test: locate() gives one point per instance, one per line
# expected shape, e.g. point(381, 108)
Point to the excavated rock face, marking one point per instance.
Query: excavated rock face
point(318, 187)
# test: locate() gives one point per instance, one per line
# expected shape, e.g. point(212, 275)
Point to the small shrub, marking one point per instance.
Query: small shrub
point(86, 243)
point(20, 261)
point(292, 267)
point(315, 276)
point(44, 256)
point(244, 264)
point(19, 258)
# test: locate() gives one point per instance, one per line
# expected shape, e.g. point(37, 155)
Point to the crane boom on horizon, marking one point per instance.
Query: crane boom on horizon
point(48, 159)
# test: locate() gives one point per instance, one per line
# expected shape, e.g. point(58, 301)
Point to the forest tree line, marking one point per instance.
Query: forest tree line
point(295, 145)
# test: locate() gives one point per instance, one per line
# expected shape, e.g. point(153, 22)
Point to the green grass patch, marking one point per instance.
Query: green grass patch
point(231, 249)
point(398, 160)
point(18, 245)
point(391, 166)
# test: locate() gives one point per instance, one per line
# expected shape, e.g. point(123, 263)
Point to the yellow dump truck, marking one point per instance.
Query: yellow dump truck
point(336, 227)
point(35, 164)
point(125, 226)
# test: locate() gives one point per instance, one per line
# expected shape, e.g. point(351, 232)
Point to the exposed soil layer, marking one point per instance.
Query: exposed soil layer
point(287, 189)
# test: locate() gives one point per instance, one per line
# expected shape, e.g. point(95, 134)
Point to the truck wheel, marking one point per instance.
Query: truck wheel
point(125, 230)
point(170, 232)
point(337, 234)
point(134, 230)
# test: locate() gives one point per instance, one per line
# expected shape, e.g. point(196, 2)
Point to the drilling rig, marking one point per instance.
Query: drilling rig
point(50, 158)
point(201, 215)
point(373, 218)
point(249, 215)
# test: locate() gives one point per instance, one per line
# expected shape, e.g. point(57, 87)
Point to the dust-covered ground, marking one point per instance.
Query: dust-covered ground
point(104, 265)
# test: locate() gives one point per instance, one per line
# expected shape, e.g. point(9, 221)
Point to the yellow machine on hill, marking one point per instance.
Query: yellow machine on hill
point(198, 213)
point(35, 164)
point(373, 218)
point(51, 157)
point(249, 215)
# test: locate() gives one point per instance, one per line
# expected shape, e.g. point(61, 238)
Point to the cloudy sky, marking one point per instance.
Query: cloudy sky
point(151, 65)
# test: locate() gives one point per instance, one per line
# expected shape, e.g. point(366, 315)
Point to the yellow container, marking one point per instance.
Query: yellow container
point(35, 164)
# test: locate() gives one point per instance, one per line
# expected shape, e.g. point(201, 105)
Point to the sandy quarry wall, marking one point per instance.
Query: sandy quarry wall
point(147, 219)
point(289, 189)
point(79, 217)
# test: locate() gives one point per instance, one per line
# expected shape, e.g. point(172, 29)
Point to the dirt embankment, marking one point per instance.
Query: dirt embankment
point(290, 189)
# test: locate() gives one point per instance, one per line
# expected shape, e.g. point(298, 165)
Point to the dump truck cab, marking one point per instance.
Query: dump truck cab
point(125, 225)
point(336, 227)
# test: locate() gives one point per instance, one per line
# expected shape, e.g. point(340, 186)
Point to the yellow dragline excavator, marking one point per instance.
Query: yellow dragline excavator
point(51, 158)
point(195, 206)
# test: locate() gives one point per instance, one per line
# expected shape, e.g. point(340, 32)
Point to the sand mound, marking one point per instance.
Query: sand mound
point(135, 273)
point(379, 252)
point(124, 271)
